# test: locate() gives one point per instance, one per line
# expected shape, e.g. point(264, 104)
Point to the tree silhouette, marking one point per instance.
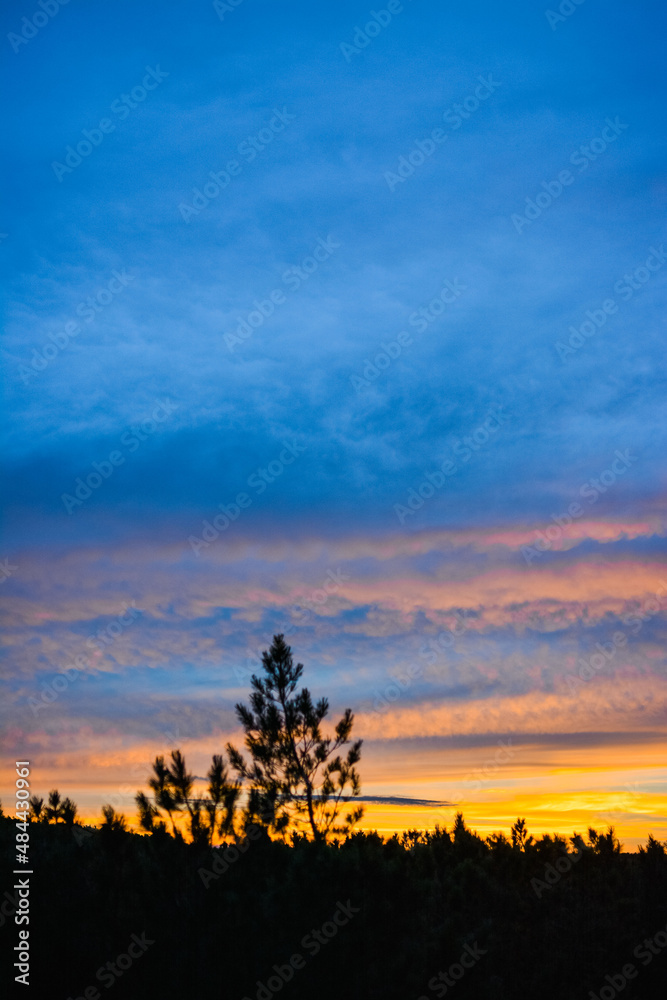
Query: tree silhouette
point(56, 811)
point(148, 814)
point(172, 786)
point(53, 809)
point(68, 811)
point(37, 813)
point(654, 849)
point(520, 839)
point(113, 821)
point(295, 774)
point(421, 900)
point(604, 843)
point(164, 798)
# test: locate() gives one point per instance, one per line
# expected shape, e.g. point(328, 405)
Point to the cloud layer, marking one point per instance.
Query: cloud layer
point(422, 439)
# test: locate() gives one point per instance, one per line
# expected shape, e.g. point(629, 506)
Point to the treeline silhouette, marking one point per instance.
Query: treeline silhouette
point(260, 886)
point(547, 919)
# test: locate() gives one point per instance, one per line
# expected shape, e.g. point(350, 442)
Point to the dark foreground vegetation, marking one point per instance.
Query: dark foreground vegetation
point(368, 919)
point(257, 886)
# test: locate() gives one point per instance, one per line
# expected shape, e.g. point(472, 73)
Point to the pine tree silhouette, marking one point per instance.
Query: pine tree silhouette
point(295, 775)
point(173, 793)
point(113, 821)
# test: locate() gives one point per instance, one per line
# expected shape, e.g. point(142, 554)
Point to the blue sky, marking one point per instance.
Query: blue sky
point(344, 122)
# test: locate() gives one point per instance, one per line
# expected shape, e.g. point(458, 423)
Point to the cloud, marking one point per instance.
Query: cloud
point(458, 555)
point(399, 800)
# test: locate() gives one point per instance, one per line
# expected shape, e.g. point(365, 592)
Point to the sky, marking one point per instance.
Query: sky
point(347, 324)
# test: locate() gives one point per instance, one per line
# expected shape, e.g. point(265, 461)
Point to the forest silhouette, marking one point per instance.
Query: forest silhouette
point(262, 886)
